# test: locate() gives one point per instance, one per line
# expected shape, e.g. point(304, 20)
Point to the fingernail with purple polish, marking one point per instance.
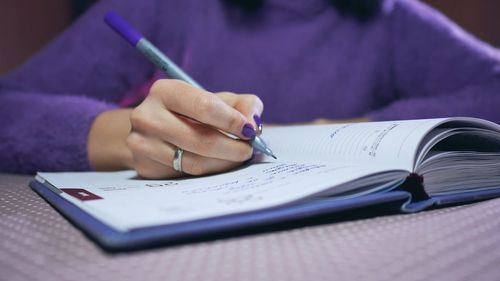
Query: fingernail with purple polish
point(258, 122)
point(248, 131)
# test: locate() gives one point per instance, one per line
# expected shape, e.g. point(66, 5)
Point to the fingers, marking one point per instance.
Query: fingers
point(189, 135)
point(154, 159)
point(149, 169)
point(176, 114)
point(249, 105)
point(203, 106)
point(196, 165)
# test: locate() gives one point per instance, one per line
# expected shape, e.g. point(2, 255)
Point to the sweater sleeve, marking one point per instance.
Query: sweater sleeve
point(438, 69)
point(47, 105)
point(46, 132)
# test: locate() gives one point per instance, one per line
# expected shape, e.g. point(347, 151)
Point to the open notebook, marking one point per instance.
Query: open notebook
point(320, 169)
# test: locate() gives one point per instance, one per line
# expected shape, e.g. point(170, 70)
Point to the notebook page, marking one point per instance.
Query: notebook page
point(391, 143)
point(124, 202)
point(311, 160)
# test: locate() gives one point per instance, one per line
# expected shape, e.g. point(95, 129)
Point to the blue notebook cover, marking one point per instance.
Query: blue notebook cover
point(113, 240)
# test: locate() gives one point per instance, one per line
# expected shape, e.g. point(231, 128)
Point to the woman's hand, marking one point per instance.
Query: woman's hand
point(177, 115)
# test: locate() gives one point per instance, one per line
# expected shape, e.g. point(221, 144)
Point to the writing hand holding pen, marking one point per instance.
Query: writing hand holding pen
point(178, 128)
point(177, 115)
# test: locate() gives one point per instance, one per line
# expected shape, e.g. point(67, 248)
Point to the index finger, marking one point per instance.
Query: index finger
point(202, 106)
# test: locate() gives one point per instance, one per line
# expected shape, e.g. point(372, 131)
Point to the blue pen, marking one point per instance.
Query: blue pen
point(164, 63)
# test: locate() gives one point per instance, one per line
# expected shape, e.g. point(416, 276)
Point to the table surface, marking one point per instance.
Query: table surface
point(458, 243)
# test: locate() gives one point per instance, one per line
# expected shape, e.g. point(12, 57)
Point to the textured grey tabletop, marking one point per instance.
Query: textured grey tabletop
point(459, 243)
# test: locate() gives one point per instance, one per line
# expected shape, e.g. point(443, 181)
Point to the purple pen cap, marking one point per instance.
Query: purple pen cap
point(122, 27)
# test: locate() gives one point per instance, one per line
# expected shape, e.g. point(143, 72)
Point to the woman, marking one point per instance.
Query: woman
point(71, 106)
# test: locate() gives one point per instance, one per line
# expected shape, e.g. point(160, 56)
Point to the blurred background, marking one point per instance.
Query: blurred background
point(27, 25)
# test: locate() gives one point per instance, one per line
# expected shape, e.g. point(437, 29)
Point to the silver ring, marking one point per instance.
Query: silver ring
point(177, 163)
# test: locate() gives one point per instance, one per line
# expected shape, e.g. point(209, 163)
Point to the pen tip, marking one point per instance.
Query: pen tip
point(272, 155)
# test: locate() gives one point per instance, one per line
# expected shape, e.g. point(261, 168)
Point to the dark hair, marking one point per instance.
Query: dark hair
point(360, 9)
point(247, 5)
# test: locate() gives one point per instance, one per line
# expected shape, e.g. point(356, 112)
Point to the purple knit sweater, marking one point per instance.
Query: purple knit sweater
point(303, 58)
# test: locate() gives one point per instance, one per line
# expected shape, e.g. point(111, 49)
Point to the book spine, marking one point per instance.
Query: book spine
point(419, 199)
point(414, 184)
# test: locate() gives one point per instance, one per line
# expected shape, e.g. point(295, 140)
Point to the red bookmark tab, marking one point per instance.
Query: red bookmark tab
point(81, 194)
